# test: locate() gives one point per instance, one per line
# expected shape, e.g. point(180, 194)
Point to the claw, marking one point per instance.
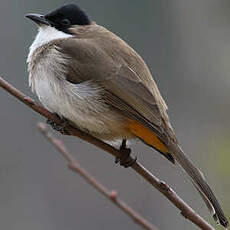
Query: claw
point(125, 159)
point(59, 127)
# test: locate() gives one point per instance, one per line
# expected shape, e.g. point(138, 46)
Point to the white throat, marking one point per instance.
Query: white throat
point(46, 34)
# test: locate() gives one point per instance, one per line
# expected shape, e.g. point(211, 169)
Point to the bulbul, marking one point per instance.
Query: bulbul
point(89, 76)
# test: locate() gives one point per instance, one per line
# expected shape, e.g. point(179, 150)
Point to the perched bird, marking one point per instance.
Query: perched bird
point(89, 76)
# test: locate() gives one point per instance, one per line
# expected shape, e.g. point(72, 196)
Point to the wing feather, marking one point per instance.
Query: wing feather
point(126, 90)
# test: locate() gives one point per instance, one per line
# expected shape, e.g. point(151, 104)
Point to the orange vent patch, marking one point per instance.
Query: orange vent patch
point(146, 135)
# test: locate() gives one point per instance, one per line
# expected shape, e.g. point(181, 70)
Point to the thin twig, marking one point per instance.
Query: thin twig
point(185, 209)
point(75, 167)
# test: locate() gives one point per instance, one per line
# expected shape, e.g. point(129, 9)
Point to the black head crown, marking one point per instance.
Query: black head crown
point(67, 16)
point(62, 18)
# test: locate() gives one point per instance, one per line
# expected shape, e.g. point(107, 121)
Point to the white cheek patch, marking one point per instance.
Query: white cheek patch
point(45, 35)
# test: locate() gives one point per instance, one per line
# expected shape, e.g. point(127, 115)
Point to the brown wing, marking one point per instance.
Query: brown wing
point(123, 74)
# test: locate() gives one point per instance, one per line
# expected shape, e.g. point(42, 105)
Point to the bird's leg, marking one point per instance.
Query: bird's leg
point(125, 159)
point(59, 127)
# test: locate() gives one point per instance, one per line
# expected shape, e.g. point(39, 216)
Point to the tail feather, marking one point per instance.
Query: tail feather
point(200, 184)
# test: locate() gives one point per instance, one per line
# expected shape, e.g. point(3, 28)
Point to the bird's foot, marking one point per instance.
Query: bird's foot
point(59, 127)
point(125, 160)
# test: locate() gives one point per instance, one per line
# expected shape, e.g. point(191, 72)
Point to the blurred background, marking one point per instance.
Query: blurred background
point(186, 45)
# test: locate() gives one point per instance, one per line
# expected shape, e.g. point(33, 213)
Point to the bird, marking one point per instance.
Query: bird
point(90, 77)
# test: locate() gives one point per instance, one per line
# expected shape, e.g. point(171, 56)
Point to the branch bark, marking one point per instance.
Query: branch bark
point(168, 192)
point(75, 167)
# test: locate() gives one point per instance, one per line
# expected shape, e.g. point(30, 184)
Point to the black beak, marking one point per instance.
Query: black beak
point(39, 19)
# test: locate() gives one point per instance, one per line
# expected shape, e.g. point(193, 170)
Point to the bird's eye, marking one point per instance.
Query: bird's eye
point(65, 22)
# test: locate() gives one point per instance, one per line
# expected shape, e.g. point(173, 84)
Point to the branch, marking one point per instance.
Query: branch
point(185, 209)
point(75, 167)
